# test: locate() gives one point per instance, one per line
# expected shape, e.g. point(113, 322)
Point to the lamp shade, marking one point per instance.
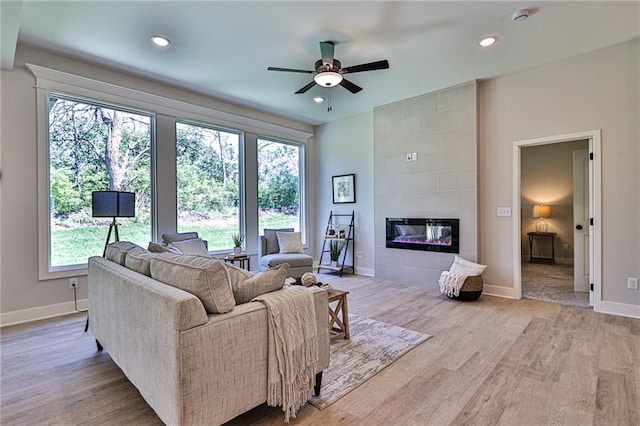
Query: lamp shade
point(113, 204)
point(541, 210)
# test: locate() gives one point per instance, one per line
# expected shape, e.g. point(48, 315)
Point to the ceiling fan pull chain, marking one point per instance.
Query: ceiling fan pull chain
point(329, 108)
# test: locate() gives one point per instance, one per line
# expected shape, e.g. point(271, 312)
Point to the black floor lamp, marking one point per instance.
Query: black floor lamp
point(113, 204)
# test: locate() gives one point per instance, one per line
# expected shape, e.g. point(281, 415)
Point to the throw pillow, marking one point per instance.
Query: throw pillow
point(139, 260)
point(260, 283)
point(205, 278)
point(117, 252)
point(178, 236)
point(465, 267)
point(194, 247)
point(289, 242)
point(272, 239)
point(160, 248)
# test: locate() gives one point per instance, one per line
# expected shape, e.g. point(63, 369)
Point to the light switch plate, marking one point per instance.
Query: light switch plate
point(408, 156)
point(504, 211)
point(632, 283)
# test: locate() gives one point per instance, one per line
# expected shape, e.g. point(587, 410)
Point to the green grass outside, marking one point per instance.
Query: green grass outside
point(74, 244)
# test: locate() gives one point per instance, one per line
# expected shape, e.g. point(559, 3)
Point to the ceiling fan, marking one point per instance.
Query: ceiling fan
point(329, 72)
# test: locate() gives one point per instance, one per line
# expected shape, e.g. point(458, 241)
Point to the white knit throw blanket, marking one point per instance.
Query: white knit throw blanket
point(450, 284)
point(293, 348)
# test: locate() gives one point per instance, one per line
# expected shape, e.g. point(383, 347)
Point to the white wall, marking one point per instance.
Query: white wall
point(345, 147)
point(598, 90)
point(22, 295)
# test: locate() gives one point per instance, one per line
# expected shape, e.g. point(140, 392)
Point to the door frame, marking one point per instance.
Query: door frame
point(595, 208)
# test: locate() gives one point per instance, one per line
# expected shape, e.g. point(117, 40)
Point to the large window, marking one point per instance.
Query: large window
point(280, 172)
point(208, 183)
point(94, 147)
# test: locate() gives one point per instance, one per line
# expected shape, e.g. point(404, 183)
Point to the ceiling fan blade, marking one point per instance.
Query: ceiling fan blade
point(289, 70)
point(371, 66)
point(305, 88)
point(327, 49)
point(353, 88)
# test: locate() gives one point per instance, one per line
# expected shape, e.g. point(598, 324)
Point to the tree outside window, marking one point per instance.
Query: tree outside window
point(95, 147)
point(279, 183)
point(208, 183)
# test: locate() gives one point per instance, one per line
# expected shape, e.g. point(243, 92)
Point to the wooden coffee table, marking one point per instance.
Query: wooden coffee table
point(338, 314)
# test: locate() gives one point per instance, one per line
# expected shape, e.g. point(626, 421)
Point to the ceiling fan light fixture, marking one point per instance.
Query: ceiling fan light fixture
point(318, 99)
point(328, 78)
point(160, 40)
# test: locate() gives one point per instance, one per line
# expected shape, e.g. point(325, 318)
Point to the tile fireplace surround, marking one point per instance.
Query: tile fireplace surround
point(442, 182)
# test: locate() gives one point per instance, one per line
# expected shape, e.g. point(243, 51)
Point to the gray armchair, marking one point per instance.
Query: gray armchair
point(269, 255)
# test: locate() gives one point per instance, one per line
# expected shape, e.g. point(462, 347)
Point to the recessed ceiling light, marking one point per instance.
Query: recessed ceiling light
point(318, 99)
point(160, 40)
point(487, 41)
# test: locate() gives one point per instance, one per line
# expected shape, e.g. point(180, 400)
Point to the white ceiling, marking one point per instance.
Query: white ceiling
point(223, 49)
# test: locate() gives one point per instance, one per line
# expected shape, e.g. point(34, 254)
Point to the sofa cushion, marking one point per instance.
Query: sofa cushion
point(289, 242)
point(193, 247)
point(247, 285)
point(272, 239)
point(294, 260)
point(139, 260)
point(117, 252)
point(203, 277)
point(161, 248)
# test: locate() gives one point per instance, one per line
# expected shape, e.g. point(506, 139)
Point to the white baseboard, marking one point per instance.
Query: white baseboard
point(493, 290)
point(41, 312)
point(622, 309)
point(368, 272)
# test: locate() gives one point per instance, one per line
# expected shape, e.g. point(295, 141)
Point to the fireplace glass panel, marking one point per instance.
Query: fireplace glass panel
point(423, 234)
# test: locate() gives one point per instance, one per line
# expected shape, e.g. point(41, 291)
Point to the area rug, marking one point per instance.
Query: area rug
point(373, 346)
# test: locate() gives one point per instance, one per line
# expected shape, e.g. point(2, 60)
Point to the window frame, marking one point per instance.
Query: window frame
point(46, 269)
point(302, 180)
point(250, 122)
point(242, 211)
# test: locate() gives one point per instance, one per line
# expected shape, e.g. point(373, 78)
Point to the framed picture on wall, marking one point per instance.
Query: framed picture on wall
point(344, 189)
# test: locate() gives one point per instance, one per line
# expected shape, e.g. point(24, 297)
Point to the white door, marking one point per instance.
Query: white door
point(581, 220)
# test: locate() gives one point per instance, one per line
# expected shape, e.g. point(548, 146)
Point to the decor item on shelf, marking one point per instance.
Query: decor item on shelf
point(344, 189)
point(335, 248)
point(238, 239)
point(541, 211)
point(341, 234)
point(112, 204)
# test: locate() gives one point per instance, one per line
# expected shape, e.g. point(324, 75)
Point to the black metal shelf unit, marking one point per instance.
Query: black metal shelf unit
point(330, 235)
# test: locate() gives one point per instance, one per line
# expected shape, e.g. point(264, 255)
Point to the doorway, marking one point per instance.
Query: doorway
point(550, 248)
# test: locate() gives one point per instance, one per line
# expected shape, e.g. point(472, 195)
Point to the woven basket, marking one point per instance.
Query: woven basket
point(470, 290)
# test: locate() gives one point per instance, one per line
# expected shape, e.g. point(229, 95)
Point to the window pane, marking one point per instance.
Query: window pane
point(94, 147)
point(208, 183)
point(279, 183)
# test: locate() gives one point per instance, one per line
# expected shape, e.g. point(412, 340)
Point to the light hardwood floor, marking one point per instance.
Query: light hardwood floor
point(494, 361)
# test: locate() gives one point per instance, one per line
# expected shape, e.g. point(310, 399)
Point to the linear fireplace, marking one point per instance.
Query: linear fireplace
point(442, 235)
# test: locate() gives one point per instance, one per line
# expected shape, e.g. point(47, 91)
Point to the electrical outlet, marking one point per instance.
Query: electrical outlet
point(414, 156)
point(566, 247)
point(73, 283)
point(632, 283)
point(359, 254)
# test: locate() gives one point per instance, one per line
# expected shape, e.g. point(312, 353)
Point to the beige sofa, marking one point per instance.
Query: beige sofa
point(191, 367)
